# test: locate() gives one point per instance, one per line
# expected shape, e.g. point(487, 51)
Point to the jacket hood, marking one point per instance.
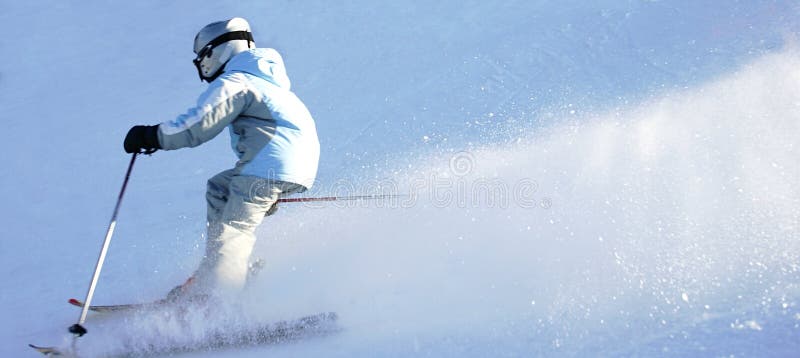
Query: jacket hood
point(265, 63)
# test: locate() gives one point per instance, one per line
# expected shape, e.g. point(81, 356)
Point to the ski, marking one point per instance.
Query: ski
point(48, 351)
point(252, 271)
point(281, 332)
point(117, 308)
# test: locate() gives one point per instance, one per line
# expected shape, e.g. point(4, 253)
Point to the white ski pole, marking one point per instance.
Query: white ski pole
point(78, 328)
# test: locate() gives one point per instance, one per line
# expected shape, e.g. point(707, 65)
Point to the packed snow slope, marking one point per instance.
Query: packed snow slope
point(607, 178)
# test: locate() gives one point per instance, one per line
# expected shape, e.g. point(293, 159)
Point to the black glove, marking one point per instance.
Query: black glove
point(142, 139)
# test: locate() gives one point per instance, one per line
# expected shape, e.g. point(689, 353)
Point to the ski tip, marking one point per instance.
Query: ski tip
point(46, 350)
point(75, 302)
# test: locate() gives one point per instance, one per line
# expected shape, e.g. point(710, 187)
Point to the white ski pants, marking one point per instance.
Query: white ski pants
point(236, 206)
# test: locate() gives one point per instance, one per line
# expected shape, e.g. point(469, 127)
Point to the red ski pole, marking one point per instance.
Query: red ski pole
point(339, 198)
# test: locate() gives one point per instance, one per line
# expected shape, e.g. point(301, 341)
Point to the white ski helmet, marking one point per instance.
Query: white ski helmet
point(217, 42)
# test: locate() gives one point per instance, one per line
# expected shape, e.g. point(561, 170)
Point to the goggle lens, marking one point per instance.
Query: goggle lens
point(204, 52)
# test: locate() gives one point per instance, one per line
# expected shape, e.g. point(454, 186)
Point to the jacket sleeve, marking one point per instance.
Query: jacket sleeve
point(217, 107)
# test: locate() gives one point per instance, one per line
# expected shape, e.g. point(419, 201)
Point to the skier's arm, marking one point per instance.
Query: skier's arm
point(224, 100)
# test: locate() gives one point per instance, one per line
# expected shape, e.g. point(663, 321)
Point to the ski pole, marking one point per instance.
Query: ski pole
point(78, 328)
point(339, 198)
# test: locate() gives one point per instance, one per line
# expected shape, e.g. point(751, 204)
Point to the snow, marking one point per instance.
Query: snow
point(605, 179)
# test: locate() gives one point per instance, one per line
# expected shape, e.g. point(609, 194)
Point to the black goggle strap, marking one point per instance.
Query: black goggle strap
point(221, 39)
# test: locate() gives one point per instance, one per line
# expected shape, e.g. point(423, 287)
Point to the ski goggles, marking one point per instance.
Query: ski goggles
point(208, 49)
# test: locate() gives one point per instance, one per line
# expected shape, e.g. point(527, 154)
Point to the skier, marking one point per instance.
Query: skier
point(272, 133)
